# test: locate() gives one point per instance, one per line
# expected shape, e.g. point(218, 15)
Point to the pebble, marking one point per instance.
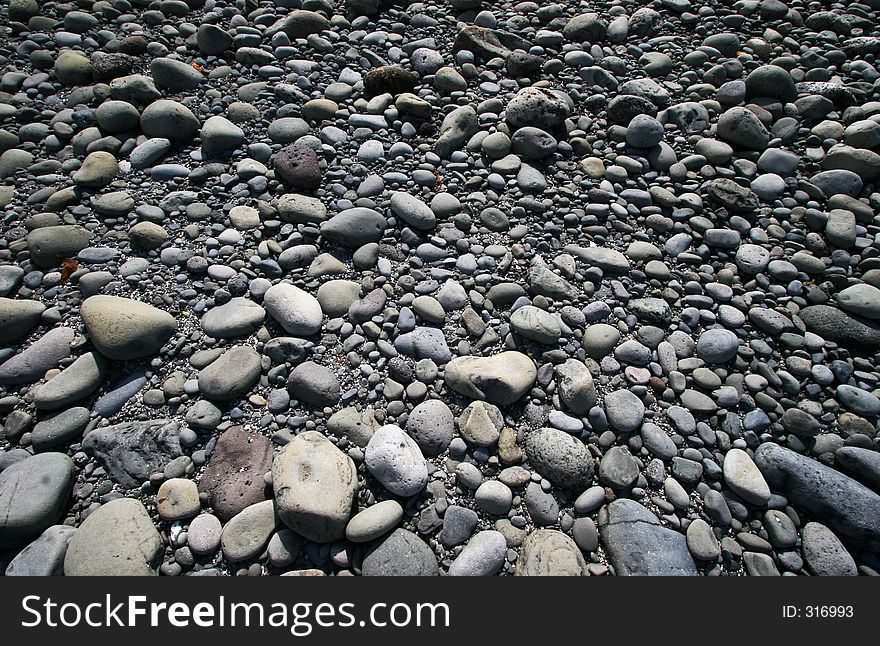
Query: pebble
point(177, 499)
point(203, 534)
point(744, 478)
point(231, 375)
point(633, 535)
point(824, 554)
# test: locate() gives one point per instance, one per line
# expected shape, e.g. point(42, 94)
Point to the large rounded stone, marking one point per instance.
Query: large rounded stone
point(771, 81)
point(401, 553)
point(168, 119)
point(638, 545)
point(297, 165)
point(354, 227)
point(232, 375)
point(301, 209)
point(561, 458)
point(175, 75)
point(644, 131)
point(315, 485)
point(576, 388)
point(741, 128)
point(123, 329)
point(131, 452)
point(314, 384)
point(239, 317)
point(98, 169)
point(432, 425)
point(117, 539)
point(33, 496)
point(212, 39)
point(301, 23)
point(480, 423)
point(395, 460)
point(295, 310)
point(717, 346)
point(500, 379)
point(72, 68)
point(537, 107)
point(536, 324)
point(48, 246)
point(178, 499)
point(203, 535)
point(44, 556)
point(220, 136)
point(18, 318)
point(744, 478)
point(824, 554)
point(413, 211)
point(861, 299)
point(245, 535)
point(585, 28)
point(618, 469)
point(624, 410)
point(374, 522)
point(547, 552)
point(233, 478)
point(337, 296)
point(32, 363)
point(484, 555)
point(79, 380)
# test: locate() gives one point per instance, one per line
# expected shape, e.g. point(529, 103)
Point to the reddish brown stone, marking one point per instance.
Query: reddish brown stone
point(297, 165)
point(233, 478)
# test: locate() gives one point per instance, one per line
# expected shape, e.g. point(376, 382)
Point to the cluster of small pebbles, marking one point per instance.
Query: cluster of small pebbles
point(455, 287)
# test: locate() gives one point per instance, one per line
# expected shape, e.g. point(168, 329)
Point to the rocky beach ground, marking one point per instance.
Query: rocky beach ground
point(451, 287)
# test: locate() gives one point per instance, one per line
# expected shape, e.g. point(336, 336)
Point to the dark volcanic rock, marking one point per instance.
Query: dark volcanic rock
point(132, 451)
point(832, 324)
point(297, 165)
point(389, 79)
point(847, 506)
point(637, 544)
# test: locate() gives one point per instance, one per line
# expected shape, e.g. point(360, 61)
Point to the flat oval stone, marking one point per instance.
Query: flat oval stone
point(500, 379)
point(374, 521)
point(744, 477)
